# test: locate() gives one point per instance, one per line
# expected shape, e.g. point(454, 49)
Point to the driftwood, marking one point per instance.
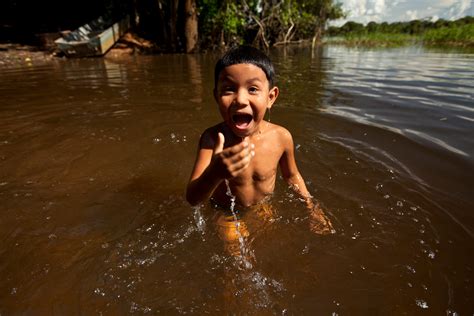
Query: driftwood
point(135, 41)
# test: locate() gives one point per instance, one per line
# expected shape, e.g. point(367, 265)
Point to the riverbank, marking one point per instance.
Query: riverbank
point(454, 36)
point(18, 55)
point(373, 39)
point(22, 55)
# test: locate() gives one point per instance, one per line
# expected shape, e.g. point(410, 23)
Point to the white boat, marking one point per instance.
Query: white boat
point(93, 39)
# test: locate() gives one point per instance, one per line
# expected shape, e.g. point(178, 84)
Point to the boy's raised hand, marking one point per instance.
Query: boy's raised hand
point(231, 161)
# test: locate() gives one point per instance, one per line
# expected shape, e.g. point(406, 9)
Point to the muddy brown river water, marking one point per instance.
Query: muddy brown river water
point(95, 155)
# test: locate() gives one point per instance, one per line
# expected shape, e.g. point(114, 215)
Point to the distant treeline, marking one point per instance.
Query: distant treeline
point(458, 32)
point(414, 27)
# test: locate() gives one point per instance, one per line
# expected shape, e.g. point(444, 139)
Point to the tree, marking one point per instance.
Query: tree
point(372, 27)
point(322, 11)
point(264, 22)
point(352, 27)
point(191, 27)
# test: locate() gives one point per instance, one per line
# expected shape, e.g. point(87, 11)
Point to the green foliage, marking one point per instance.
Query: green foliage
point(374, 39)
point(220, 20)
point(460, 32)
point(353, 28)
point(231, 19)
point(264, 22)
point(208, 11)
point(306, 23)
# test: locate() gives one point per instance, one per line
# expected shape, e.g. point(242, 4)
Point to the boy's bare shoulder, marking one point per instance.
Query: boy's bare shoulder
point(209, 136)
point(282, 133)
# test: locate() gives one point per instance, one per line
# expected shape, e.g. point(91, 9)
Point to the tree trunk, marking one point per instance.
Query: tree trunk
point(191, 25)
point(318, 33)
point(173, 24)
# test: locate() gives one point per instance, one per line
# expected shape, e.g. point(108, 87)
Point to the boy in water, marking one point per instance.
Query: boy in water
point(244, 151)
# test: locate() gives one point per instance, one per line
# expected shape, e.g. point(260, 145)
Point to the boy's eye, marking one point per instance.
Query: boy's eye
point(228, 89)
point(253, 89)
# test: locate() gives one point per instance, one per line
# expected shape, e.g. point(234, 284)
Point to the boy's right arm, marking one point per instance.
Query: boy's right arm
point(202, 182)
point(214, 164)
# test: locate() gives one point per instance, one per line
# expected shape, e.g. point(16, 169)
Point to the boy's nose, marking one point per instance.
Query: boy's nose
point(241, 98)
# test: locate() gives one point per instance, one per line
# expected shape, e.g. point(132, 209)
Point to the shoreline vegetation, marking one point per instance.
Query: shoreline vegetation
point(458, 33)
point(188, 26)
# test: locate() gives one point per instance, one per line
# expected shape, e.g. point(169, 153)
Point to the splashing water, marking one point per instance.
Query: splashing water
point(244, 250)
point(199, 219)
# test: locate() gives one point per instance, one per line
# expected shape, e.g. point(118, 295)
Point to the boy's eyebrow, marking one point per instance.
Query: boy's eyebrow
point(228, 78)
point(254, 79)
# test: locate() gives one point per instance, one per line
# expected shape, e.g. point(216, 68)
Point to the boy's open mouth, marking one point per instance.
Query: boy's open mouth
point(242, 120)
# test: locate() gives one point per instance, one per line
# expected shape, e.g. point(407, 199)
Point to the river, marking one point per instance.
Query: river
point(95, 155)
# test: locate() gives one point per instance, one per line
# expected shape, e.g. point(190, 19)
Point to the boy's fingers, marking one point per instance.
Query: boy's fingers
point(219, 144)
point(231, 151)
point(241, 155)
point(244, 147)
point(241, 164)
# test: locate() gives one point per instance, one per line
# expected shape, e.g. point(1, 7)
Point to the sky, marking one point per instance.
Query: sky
point(364, 11)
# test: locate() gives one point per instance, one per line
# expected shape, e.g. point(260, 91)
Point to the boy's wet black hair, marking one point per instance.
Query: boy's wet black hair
point(245, 55)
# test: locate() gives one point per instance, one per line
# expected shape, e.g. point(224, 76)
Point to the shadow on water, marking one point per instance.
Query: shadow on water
point(96, 154)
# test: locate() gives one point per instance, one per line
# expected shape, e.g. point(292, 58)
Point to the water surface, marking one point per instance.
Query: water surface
point(95, 156)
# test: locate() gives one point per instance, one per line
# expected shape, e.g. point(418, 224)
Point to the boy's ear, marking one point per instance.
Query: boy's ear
point(272, 96)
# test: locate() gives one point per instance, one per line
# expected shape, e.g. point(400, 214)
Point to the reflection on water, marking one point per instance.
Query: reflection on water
point(96, 153)
point(414, 83)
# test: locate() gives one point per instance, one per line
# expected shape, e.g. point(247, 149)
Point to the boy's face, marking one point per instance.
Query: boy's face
point(243, 95)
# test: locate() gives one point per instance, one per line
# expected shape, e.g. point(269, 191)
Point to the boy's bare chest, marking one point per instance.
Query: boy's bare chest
point(263, 166)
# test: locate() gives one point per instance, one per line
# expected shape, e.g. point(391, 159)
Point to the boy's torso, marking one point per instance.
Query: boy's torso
point(257, 181)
